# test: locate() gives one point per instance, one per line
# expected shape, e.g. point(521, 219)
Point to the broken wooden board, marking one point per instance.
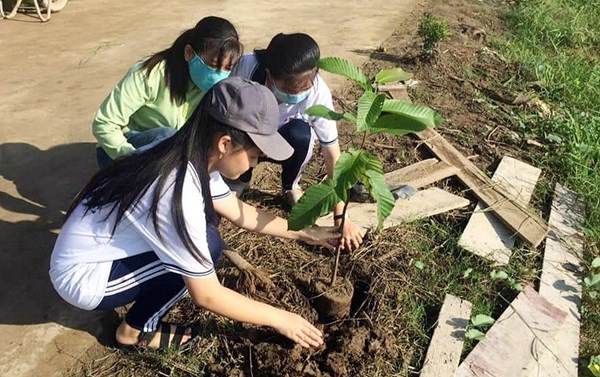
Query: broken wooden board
point(510, 347)
point(562, 255)
point(518, 218)
point(484, 234)
point(421, 174)
point(448, 337)
point(424, 203)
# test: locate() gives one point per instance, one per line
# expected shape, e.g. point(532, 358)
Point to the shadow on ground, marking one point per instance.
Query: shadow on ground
point(46, 181)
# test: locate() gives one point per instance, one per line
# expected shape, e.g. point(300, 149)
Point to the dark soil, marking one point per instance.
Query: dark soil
point(332, 303)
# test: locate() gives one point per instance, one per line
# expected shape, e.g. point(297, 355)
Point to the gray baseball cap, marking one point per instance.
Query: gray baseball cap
point(252, 108)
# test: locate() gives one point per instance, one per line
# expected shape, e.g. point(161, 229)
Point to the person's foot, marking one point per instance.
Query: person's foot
point(166, 336)
point(291, 197)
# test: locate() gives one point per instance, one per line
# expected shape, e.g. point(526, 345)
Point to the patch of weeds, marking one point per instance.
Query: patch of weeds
point(432, 30)
point(556, 45)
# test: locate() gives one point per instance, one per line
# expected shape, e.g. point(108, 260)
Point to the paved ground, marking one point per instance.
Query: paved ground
point(54, 76)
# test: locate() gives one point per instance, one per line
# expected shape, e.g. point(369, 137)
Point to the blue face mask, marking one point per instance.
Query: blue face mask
point(290, 99)
point(204, 76)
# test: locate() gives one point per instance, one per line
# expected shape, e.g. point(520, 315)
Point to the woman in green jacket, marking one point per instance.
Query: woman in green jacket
point(158, 94)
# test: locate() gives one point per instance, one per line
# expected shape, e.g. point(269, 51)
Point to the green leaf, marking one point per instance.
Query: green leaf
point(498, 275)
point(381, 193)
point(396, 124)
point(594, 365)
point(373, 162)
point(474, 334)
point(392, 75)
point(482, 320)
point(596, 262)
point(418, 113)
point(593, 294)
point(345, 68)
point(317, 201)
point(347, 171)
point(327, 113)
point(323, 112)
point(369, 108)
point(590, 281)
point(419, 265)
point(350, 117)
point(467, 273)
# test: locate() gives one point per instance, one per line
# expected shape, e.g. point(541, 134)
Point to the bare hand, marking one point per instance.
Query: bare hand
point(352, 236)
point(326, 236)
point(298, 329)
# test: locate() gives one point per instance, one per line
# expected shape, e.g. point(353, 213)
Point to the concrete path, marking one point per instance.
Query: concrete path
point(54, 76)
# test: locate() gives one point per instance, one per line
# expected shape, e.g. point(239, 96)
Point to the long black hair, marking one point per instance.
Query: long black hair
point(291, 57)
point(122, 184)
point(214, 36)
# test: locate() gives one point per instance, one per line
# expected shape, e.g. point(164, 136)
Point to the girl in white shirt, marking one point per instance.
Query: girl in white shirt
point(143, 230)
point(289, 68)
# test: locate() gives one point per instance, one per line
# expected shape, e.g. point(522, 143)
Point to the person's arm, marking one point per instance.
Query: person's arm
point(251, 218)
point(130, 94)
point(210, 294)
point(352, 234)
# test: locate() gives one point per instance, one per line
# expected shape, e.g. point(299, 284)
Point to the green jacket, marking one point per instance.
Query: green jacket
point(140, 102)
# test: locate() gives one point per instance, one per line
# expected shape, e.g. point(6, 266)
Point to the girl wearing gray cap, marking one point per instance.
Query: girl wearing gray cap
point(143, 230)
point(159, 93)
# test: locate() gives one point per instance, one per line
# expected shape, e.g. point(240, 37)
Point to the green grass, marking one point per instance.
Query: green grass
point(557, 45)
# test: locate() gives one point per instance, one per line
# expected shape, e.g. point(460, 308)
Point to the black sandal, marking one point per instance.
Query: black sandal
point(144, 338)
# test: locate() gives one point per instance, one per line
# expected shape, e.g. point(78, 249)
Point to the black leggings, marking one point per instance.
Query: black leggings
point(298, 134)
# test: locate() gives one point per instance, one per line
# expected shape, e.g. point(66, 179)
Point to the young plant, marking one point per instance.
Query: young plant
point(594, 365)
point(432, 30)
point(592, 282)
point(478, 323)
point(374, 113)
point(502, 275)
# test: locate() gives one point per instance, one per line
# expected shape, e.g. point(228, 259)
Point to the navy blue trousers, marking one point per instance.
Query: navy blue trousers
point(143, 280)
point(137, 139)
point(298, 134)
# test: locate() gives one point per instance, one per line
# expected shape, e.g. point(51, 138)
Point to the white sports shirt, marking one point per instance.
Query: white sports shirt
point(85, 249)
point(325, 130)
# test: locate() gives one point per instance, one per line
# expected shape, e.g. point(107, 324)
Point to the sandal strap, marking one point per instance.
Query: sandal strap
point(165, 333)
point(144, 338)
point(178, 337)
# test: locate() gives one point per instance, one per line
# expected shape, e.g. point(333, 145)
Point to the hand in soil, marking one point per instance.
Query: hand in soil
point(326, 236)
point(352, 236)
point(298, 329)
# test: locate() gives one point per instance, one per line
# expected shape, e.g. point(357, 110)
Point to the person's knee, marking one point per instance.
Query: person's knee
point(163, 133)
point(297, 132)
point(102, 158)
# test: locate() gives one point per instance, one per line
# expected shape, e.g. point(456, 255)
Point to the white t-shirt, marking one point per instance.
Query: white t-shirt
point(85, 249)
point(324, 129)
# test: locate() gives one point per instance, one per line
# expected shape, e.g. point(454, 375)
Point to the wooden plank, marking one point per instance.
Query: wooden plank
point(484, 234)
point(446, 344)
point(564, 247)
point(424, 203)
point(519, 219)
point(510, 347)
point(421, 174)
